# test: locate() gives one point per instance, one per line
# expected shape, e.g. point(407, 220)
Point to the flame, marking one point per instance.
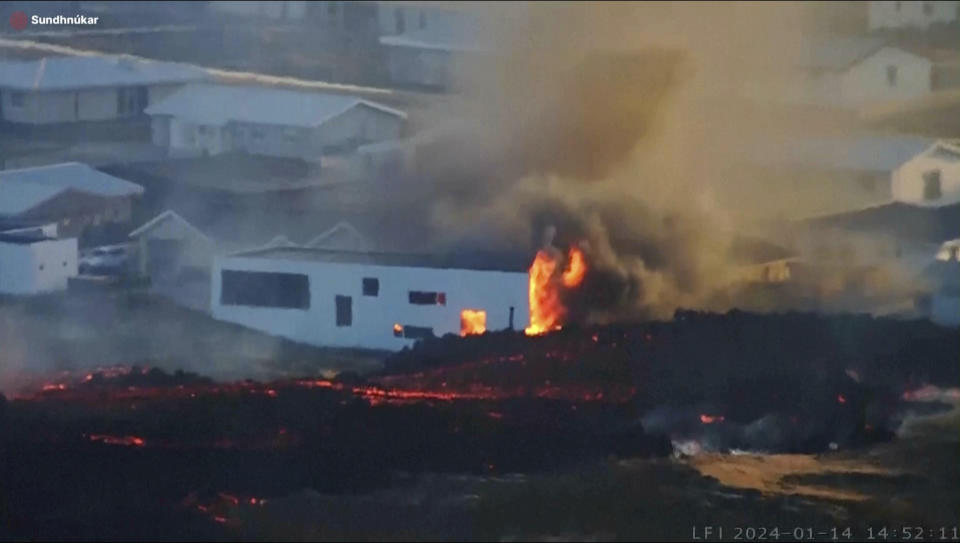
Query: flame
point(575, 270)
point(547, 312)
point(473, 321)
point(710, 419)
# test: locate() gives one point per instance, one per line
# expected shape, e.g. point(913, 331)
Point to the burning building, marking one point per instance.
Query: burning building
point(372, 300)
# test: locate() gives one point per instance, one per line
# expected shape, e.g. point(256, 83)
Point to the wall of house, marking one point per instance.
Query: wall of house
point(423, 67)
point(868, 80)
point(38, 267)
point(96, 104)
point(287, 10)
point(358, 125)
point(40, 107)
point(160, 130)
point(272, 140)
point(374, 317)
point(889, 14)
point(410, 17)
point(907, 181)
point(156, 93)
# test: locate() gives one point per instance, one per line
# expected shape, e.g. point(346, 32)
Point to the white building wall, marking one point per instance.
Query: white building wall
point(39, 107)
point(907, 183)
point(284, 10)
point(360, 124)
point(889, 14)
point(156, 93)
point(374, 317)
point(868, 80)
point(96, 104)
point(37, 267)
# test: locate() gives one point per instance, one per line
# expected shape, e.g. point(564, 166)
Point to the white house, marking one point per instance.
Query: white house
point(931, 178)
point(886, 14)
point(86, 88)
point(427, 51)
point(854, 72)
point(216, 119)
point(71, 194)
point(34, 261)
point(369, 300)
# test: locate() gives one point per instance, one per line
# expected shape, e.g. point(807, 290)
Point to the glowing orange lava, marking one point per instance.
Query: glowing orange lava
point(473, 321)
point(547, 311)
point(127, 441)
point(710, 419)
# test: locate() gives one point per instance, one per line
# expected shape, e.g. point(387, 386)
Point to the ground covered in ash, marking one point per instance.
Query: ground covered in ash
point(617, 432)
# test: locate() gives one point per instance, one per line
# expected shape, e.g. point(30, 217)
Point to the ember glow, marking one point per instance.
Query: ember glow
point(547, 311)
point(710, 419)
point(473, 321)
point(126, 441)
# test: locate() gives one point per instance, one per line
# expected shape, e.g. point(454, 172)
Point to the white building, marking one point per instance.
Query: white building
point(931, 178)
point(284, 10)
point(34, 261)
point(86, 88)
point(912, 14)
point(216, 119)
point(428, 50)
point(368, 300)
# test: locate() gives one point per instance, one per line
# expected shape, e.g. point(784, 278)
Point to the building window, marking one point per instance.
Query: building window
point(344, 310)
point(423, 20)
point(427, 298)
point(896, 6)
point(64, 263)
point(265, 289)
point(399, 21)
point(41, 267)
point(892, 75)
point(928, 8)
point(371, 286)
point(16, 99)
point(258, 134)
point(931, 185)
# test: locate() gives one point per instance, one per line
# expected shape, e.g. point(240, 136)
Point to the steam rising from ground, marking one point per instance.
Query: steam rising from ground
point(621, 125)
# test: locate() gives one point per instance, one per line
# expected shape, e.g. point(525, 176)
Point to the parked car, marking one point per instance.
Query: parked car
point(105, 261)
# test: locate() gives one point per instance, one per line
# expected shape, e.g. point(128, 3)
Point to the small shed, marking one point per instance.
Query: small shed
point(33, 262)
point(169, 247)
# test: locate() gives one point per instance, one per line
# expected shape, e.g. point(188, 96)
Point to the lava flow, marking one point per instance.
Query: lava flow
point(547, 311)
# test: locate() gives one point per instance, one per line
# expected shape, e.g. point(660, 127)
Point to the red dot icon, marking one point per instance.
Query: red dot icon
point(18, 20)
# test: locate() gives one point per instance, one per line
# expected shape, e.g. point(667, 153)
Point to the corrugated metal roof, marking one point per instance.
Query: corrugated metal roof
point(76, 72)
point(219, 104)
point(24, 189)
point(837, 53)
point(474, 260)
point(871, 153)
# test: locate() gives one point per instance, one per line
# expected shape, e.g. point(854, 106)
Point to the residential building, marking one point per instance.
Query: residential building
point(369, 300)
point(920, 15)
point(931, 178)
point(86, 88)
point(217, 119)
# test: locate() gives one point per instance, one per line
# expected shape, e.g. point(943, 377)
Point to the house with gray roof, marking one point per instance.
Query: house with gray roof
point(72, 195)
point(203, 119)
point(86, 88)
point(852, 73)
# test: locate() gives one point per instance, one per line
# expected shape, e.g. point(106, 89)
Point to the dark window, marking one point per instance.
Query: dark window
point(931, 185)
point(423, 20)
point(928, 8)
point(511, 317)
point(428, 298)
point(16, 99)
point(399, 21)
point(371, 286)
point(892, 75)
point(41, 267)
point(264, 289)
point(417, 332)
point(344, 310)
point(896, 6)
point(332, 9)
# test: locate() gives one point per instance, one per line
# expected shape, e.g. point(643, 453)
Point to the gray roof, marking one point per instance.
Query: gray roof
point(473, 260)
point(24, 189)
point(76, 72)
point(456, 35)
point(869, 153)
point(219, 104)
point(837, 54)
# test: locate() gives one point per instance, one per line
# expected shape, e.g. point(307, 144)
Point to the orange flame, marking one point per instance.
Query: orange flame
point(576, 268)
point(710, 419)
point(547, 311)
point(473, 321)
